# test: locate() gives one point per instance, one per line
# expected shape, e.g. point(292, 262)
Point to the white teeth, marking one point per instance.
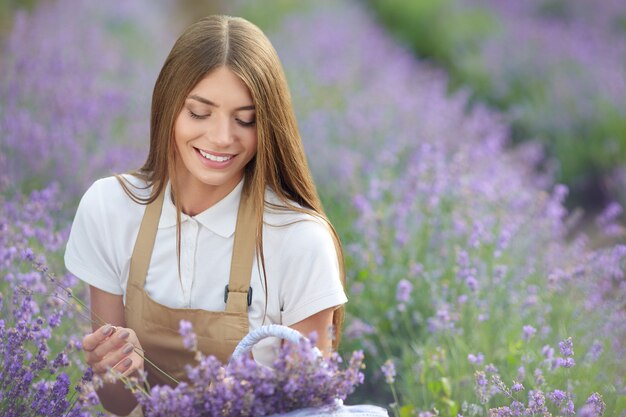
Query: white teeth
point(215, 158)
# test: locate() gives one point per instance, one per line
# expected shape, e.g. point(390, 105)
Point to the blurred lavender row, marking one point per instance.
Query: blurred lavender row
point(570, 58)
point(75, 82)
point(573, 42)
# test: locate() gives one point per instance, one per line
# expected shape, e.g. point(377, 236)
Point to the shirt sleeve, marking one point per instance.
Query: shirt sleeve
point(89, 253)
point(311, 281)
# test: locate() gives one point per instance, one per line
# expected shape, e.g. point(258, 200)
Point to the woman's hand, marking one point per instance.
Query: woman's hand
point(112, 347)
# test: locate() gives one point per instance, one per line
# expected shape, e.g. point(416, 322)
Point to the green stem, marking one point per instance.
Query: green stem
point(396, 404)
point(72, 402)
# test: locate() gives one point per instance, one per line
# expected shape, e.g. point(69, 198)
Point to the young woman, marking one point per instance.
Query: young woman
point(222, 226)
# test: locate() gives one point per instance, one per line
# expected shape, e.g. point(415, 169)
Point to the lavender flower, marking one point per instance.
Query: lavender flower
point(190, 340)
point(565, 362)
point(491, 368)
point(528, 332)
point(567, 347)
point(594, 406)
point(547, 351)
point(403, 291)
point(482, 386)
point(476, 359)
point(500, 412)
point(569, 408)
point(389, 371)
point(357, 328)
point(558, 397)
point(517, 387)
point(517, 408)
point(594, 351)
point(539, 378)
point(608, 221)
point(536, 402)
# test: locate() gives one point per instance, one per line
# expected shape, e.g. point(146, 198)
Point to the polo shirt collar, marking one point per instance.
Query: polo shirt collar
point(221, 218)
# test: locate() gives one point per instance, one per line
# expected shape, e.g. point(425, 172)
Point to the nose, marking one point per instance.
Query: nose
point(220, 132)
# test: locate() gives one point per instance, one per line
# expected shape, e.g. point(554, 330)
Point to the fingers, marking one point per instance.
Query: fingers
point(110, 347)
point(113, 343)
point(129, 365)
point(113, 359)
point(94, 339)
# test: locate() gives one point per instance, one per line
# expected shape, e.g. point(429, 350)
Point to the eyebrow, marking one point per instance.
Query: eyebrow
point(210, 103)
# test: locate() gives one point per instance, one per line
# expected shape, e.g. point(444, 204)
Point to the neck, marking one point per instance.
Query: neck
point(195, 196)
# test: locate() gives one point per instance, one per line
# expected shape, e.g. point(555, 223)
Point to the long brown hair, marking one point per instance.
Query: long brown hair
point(280, 162)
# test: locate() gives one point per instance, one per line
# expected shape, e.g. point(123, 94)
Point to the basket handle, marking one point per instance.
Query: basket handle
point(272, 330)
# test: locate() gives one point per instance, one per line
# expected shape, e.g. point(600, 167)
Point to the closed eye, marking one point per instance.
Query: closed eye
point(198, 116)
point(245, 123)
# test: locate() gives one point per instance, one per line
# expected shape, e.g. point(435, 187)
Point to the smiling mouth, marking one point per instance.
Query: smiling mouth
point(215, 158)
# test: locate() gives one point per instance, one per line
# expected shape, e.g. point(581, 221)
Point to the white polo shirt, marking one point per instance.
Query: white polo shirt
point(300, 258)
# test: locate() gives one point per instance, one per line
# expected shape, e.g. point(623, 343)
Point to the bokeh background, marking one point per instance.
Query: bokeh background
point(471, 154)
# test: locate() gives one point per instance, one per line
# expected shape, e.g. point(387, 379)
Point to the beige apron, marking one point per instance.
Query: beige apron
point(157, 325)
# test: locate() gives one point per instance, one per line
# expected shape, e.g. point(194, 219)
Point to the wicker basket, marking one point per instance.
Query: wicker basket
point(339, 410)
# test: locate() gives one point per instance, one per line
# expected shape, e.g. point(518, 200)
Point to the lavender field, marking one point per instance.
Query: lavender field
point(471, 293)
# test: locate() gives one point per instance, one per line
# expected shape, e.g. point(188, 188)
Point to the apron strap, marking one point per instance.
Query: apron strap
point(142, 252)
point(238, 292)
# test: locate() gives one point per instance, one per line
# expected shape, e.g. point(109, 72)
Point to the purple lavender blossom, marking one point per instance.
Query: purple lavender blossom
point(539, 377)
point(595, 351)
point(528, 332)
point(565, 362)
point(357, 329)
point(389, 371)
point(547, 351)
point(481, 386)
point(500, 412)
point(608, 219)
point(558, 397)
point(594, 406)
point(403, 291)
point(569, 408)
point(190, 340)
point(537, 402)
point(567, 347)
point(517, 387)
point(517, 408)
point(491, 368)
point(475, 359)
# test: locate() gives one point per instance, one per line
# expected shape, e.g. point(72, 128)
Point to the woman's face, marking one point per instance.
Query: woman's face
point(215, 133)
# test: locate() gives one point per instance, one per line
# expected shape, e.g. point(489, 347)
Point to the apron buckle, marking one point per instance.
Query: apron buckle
point(226, 291)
